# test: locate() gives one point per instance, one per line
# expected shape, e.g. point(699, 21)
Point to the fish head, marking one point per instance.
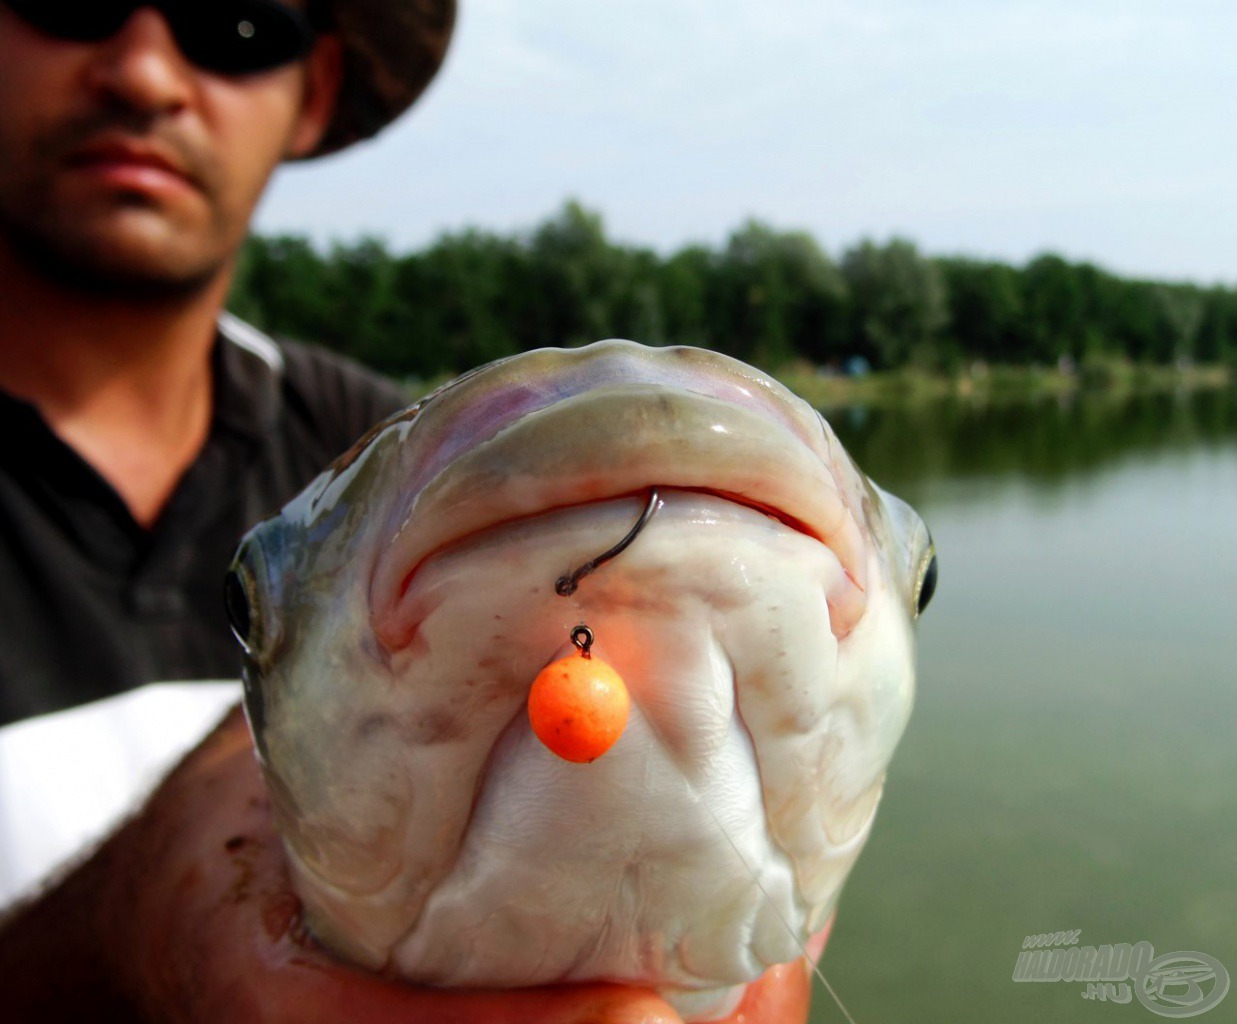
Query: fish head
point(395, 614)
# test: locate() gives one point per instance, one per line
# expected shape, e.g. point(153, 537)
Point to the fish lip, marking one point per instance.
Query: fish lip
point(388, 587)
point(394, 639)
point(594, 424)
point(474, 407)
point(643, 493)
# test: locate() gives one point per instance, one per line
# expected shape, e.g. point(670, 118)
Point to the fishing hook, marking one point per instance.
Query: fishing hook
point(566, 585)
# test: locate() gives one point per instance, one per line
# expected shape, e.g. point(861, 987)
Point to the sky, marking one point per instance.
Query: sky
point(999, 129)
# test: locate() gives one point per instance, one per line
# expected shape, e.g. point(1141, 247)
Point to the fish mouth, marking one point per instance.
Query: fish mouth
point(618, 441)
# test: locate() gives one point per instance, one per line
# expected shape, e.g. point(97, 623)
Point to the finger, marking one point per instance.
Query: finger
point(320, 998)
point(779, 996)
point(783, 994)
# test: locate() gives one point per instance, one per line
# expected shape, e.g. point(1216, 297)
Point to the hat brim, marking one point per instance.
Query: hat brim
point(392, 49)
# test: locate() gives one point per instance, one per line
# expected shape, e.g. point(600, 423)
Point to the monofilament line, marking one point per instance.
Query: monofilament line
point(794, 936)
point(759, 885)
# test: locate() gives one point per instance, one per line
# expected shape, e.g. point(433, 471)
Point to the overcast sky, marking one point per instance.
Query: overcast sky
point(1100, 129)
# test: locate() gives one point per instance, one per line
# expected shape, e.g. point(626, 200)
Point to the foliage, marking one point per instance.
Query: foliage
point(897, 302)
point(766, 296)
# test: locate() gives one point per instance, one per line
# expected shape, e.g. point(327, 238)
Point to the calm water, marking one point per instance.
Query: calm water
point(1072, 759)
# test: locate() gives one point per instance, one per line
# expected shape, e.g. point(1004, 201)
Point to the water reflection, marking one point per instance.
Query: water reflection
point(1070, 761)
point(1046, 441)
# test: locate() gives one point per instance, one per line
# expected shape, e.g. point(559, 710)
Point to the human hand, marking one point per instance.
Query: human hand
point(195, 906)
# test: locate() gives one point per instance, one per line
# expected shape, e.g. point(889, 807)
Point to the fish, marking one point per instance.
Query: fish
point(394, 615)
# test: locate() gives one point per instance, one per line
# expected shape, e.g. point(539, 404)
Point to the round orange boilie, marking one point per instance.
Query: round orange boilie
point(578, 707)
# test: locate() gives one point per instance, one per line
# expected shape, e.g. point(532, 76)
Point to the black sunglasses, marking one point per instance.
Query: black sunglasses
point(233, 37)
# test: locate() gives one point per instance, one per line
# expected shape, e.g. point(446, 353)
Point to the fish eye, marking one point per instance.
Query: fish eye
point(236, 601)
point(927, 584)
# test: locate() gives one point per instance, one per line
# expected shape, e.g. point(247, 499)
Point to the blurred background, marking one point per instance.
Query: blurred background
point(995, 243)
point(1070, 761)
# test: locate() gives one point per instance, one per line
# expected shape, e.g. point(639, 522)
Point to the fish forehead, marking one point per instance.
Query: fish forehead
point(386, 472)
point(418, 442)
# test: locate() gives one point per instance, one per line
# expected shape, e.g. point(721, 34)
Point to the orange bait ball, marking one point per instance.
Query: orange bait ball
point(578, 707)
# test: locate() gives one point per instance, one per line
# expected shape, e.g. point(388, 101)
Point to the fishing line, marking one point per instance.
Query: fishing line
point(582, 639)
point(794, 937)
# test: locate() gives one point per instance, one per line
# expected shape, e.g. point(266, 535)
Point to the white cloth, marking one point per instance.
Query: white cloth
point(67, 779)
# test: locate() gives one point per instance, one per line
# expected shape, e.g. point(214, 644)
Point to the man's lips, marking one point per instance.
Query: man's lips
point(132, 165)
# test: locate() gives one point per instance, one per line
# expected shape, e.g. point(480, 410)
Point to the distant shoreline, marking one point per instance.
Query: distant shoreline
point(983, 382)
point(980, 382)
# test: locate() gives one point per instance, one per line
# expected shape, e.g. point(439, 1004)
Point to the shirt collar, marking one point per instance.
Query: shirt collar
point(248, 372)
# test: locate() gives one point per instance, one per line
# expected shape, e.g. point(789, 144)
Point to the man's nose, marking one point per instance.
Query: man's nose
point(142, 66)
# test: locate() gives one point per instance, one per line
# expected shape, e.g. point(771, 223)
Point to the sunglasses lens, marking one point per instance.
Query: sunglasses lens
point(241, 37)
point(235, 37)
point(78, 20)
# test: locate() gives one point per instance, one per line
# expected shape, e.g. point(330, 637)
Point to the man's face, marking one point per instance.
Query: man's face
point(124, 166)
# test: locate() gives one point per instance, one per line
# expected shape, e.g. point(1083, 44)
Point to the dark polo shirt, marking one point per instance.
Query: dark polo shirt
point(91, 603)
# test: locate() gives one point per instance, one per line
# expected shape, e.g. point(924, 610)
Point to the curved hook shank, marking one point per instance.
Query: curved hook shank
point(567, 585)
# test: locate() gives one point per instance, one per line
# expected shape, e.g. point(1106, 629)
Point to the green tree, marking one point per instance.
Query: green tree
point(281, 286)
point(782, 294)
point(898, 302)
point(683, 287)
point(576, 277)
point(987, 317)
point(1137, 323)
point(1217, 332)
point(1181, 310)
point(464, 302)
point(361, 300)
point(766, 296)
point(1055, 301)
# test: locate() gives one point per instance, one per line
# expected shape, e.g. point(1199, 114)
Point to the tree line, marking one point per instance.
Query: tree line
point(768, 297)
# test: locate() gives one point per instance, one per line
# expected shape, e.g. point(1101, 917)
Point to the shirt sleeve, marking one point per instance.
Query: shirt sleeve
point(67, 778)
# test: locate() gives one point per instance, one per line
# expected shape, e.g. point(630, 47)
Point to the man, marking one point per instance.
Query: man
point(152, 433)
point(146, 431)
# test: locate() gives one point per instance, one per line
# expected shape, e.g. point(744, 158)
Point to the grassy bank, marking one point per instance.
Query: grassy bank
point(996, 382)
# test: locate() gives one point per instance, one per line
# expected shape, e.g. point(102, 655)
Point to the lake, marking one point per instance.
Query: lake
point(1072, 759)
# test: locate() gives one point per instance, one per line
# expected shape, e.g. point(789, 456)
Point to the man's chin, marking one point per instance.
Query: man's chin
point(122, 264)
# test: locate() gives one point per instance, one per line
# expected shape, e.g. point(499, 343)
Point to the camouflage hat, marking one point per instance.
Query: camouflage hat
point(392, 48)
